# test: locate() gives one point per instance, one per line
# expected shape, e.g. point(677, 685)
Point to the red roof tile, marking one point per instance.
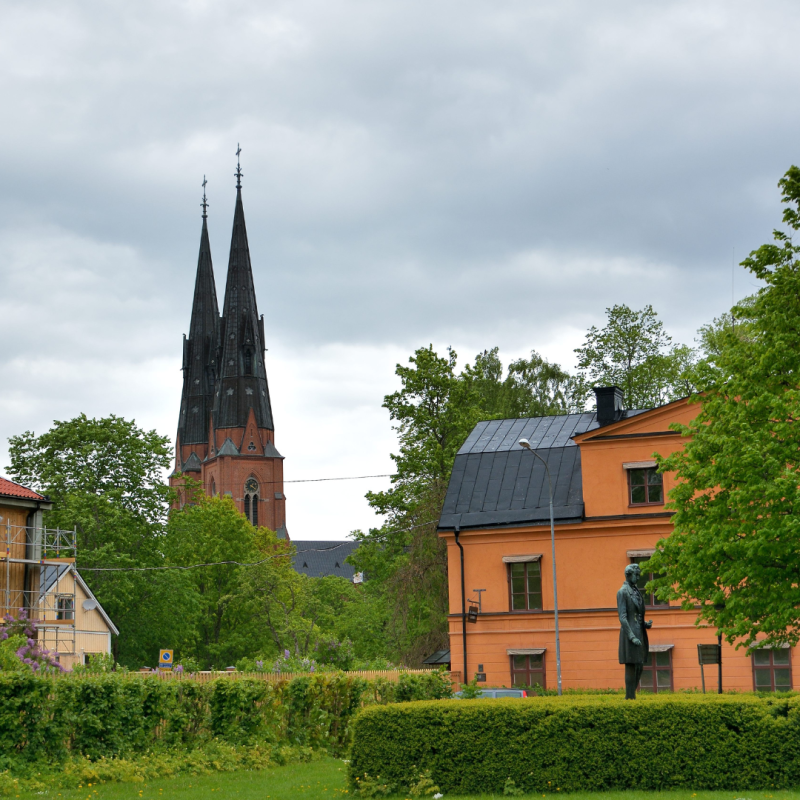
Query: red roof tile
point(10, 489)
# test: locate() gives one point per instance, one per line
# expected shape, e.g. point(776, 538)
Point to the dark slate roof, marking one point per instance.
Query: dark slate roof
point(242, 382)
point(318, 559)
point(495, 482)
point(228, 448)
point(200, 351)
point(270, 451)
point(192, 464)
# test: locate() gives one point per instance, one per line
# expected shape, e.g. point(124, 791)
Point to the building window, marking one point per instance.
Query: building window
point(646, 487)
point(772, 669)
point(65, 608)
point(528, 670)
point(649, 598)
point(251, 501)
point(657, 673)
point(248, 362)
point(525, 585)
point(213, 488)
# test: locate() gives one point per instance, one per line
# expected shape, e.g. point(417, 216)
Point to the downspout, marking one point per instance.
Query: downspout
point(463, 604)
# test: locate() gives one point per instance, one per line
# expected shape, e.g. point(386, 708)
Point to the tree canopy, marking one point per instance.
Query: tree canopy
point(734, 549)
point(634, 351)
point(105, 478)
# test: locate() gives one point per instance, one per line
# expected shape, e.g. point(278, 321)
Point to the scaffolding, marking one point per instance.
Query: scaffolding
point(38, 578)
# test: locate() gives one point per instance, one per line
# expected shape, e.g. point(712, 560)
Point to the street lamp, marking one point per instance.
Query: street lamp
point(527, 445)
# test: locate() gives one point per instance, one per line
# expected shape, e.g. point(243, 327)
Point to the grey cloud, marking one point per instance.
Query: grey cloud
point(465, 172)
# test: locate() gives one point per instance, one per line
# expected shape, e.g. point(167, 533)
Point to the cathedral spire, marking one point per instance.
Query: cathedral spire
point(242, 383)
point(200, 348)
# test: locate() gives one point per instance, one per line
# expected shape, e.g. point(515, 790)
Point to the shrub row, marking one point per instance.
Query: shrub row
point(589, 743)
point(47, 719)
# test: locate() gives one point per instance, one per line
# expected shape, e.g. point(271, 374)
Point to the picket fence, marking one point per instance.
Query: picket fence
point(274, 677)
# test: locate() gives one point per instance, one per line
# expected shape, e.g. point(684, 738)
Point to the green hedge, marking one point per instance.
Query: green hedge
point(47, 719)
point(589, 743)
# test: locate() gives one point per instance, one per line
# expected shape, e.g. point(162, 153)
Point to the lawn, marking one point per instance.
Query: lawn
point(323, 780)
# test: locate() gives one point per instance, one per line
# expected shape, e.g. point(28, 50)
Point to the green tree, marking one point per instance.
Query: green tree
point(434, 411)
point(634, 352)
point(532, 387)
point(736, 536)
point(105, 478)
point(222, 623)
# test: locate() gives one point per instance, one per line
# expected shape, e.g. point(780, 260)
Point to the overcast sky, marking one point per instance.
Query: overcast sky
point(464, 173)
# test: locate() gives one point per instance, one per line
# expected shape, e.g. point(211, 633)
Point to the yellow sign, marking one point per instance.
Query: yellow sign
point(165, 659)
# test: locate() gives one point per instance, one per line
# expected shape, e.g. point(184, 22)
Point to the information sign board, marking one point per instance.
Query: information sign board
point(708, 654)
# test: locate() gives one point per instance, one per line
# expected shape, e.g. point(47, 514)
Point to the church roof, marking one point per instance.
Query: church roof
point(192, 464)
point(242, 382)
point(199, 351)
point(319, 559)
point(270, 451)
point(228, 448)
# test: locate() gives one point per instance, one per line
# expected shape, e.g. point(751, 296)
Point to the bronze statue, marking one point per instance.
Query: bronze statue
point(633, 643)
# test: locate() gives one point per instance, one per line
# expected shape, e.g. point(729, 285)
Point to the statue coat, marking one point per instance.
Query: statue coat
point(630, 606)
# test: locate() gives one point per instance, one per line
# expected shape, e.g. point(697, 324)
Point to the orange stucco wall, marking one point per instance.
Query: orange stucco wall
point(591, 557)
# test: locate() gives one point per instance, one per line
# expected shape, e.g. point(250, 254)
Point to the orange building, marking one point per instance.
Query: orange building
point(608, 506)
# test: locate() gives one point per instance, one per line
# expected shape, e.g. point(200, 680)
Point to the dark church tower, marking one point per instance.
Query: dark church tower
point(226, 435)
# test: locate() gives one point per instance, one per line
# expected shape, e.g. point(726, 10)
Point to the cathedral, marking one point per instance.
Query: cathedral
point(226, 434)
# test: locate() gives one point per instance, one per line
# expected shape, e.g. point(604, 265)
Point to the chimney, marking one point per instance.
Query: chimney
point(609, 403)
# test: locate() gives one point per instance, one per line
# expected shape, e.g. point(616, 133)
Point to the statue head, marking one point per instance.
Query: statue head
point(632, 573)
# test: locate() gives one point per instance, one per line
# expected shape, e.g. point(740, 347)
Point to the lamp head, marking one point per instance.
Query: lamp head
point(524, 443)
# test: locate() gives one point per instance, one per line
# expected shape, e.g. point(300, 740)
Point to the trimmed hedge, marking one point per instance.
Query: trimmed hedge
point(588, 743)
point(49, 718)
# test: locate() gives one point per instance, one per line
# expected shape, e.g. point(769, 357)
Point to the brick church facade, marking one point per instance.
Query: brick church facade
point(226, 433)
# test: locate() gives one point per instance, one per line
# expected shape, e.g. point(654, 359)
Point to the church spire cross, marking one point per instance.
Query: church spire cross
point(238, 168)
point(204, 204)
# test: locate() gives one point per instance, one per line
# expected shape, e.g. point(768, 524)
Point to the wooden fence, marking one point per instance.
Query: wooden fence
point(205, 676)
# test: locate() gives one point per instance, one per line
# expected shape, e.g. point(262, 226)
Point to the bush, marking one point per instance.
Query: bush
point(588, 743)
point(46, 719)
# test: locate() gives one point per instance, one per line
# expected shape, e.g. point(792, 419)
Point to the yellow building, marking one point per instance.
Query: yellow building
point(38, 577)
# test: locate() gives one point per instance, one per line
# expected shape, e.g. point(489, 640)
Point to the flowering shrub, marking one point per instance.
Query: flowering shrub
point(29, 652)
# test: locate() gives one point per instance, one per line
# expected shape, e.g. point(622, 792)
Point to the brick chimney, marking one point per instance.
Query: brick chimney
point(609, 401)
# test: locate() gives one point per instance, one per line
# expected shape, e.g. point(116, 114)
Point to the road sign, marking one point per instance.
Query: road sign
point(165, 659)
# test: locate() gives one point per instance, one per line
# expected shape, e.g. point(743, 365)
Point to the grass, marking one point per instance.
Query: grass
point(325, 780)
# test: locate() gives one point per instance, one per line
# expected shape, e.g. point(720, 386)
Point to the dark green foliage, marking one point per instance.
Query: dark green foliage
point(106, 480)
point(583, 743)
point(433, 413)
point(634, 352)
point(45, 719)
point(734, 548)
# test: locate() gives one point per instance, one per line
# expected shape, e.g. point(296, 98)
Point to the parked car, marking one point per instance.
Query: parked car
point(494, 693)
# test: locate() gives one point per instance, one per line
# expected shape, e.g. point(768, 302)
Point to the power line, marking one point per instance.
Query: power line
point(238, 563)
point(319, 480)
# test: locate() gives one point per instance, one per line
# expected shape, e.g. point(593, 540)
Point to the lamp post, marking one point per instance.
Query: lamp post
point(527, 445)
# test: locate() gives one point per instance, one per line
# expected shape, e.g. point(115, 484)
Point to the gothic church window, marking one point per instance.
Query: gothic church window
point(248, 362)
point(251, 501)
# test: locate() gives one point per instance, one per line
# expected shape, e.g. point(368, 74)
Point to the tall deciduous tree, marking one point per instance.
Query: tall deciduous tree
point(634, 352)
point(105, 478)
point(736, 536)
point(222, 623)
point(434, 411)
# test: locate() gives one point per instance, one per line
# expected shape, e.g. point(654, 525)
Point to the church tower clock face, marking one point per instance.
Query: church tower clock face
point(251, 486)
